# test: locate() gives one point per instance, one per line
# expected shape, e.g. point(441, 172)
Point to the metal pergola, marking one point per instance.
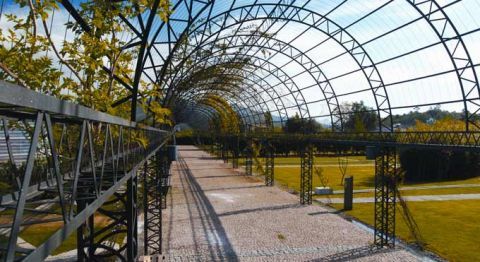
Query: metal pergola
point(303, 58)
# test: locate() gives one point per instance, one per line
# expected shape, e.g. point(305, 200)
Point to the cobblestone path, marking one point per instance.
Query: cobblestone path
point(217, 214)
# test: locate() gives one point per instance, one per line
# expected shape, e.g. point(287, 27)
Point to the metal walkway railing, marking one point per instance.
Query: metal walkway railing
point(72, 163)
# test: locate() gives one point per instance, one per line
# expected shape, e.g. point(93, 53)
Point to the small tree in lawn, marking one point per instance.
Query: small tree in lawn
point(318, 171)
point(321, 176)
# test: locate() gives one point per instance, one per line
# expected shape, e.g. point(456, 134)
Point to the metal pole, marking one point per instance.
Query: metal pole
point(385, 188)
point(306, 171)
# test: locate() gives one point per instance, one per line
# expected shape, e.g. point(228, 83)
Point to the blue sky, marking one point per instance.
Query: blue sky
point(442, 87)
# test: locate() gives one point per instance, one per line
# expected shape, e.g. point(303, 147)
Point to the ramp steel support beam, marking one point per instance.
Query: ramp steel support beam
point(385, 188)
point(306, 170)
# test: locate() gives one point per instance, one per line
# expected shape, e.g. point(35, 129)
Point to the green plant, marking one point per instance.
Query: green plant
point(256, 148)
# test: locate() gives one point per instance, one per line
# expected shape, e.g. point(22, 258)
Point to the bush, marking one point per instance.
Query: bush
point(423, 165)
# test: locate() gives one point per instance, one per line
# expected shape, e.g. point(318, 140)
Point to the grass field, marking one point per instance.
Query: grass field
point(287, 173)
point(450, 228)
point(37, 234)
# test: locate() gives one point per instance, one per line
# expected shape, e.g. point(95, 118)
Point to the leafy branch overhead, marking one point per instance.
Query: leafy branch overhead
point(89, 67)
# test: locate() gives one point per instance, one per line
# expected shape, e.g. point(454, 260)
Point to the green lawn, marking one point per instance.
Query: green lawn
point(38, 234)
point(287, 173)
point(318, 160)
point(290, 177)
point(450, 228)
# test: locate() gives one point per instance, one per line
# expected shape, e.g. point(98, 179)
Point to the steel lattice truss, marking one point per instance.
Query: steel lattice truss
point(303, 57)
point(283, 57)
point(308, 58)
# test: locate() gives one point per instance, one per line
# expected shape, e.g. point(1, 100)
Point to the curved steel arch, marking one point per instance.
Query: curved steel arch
point(245, 114)
point(458, 53)
point(238, 112)
point(339, 35)
point(293, 54)
point(451, 39)
point(194, 106)
point(193, 94)
point(278, 103)
point(303, 111)
point(199, 115)
point(251, 91)
point(283, 77)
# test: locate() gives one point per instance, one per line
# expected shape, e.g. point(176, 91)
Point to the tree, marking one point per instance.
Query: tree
point(438, 164)
point(358, 117)
point(75, 69)
point(268, 119)
point(297, 125)
point(226, 120)
point(411, 119)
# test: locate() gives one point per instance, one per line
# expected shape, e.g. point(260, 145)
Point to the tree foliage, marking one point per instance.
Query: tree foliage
point(357, 117)
point(298, 125)
point(439, 164)
point(84, 68)
point(225, 121)
point(411, 119)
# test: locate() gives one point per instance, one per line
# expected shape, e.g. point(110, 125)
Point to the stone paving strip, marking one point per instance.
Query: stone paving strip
point(448, 197)
point(217, 214)
point(407, 188)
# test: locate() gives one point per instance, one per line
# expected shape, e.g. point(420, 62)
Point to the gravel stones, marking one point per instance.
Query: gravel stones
point(217, 214)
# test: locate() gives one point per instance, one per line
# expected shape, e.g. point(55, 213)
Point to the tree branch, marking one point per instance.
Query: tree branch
point(55, 50)
point(13, 75)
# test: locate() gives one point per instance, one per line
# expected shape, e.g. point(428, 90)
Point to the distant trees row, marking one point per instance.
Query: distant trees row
point(439, 164)
point(360, 118)
point(419, 165)
point(411, 118)
point(296, 124)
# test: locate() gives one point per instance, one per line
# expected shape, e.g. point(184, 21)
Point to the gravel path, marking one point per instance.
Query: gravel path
point(449, 197)
point(407, 188)
point(217, 214)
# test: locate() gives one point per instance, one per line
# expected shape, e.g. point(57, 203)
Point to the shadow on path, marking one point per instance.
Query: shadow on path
point(260, 209)
point(218, 244)
point(232, 176)
point(352, 254)
point(233, 188)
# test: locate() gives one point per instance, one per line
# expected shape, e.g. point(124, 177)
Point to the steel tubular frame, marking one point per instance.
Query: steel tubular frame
point(385, 197)
point(453, 43)
point(264, 86)
point(337, 33)
point(232, 98)
point(306, 172)
point(156, 184)
point(203, 24)
point(430, 10)
point(97, 177)
point(104, 174)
